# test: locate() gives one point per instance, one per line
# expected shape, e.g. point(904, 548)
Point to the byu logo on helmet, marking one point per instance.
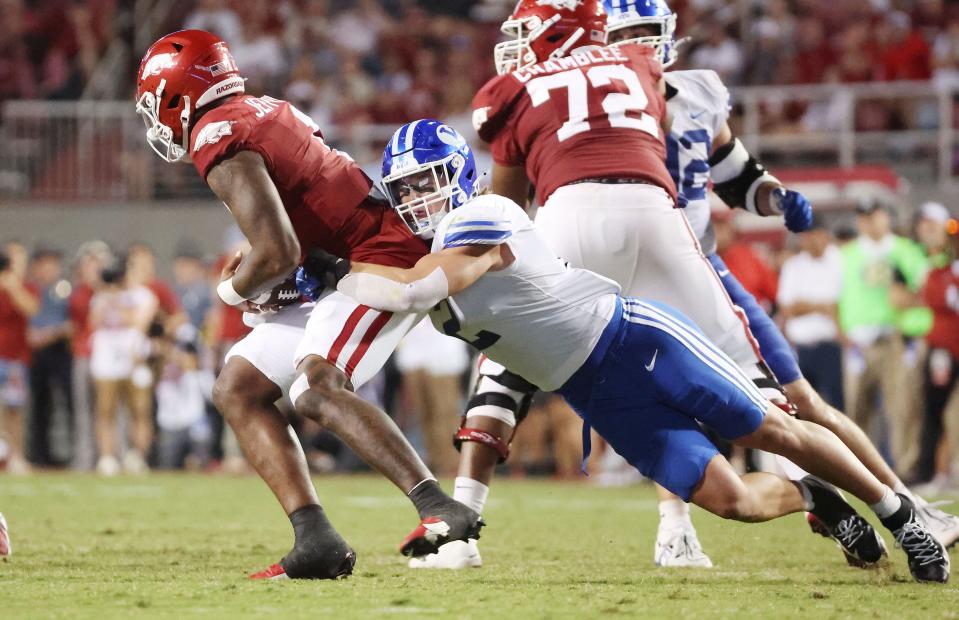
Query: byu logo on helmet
point(647, 22)
point(428, 169)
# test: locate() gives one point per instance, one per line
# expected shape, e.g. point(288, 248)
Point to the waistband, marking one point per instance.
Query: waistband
point(614, 181)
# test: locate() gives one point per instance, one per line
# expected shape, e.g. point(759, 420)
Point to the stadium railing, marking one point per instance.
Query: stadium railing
point(94, 150)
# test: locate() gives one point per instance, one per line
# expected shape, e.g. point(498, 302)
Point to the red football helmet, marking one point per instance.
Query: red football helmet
point(544, 29)
point(179, 74)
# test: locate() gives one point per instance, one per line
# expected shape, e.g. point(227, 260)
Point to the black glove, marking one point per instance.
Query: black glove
point(325, 267)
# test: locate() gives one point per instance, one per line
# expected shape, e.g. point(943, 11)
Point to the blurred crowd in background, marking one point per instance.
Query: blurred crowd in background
point(104, 365)
point(358, 61)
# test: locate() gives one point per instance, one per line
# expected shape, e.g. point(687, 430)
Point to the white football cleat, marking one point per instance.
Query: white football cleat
point(133, 463)
point(941, 524)
point(6, 549)
point(678, 547)
point(455, 555)
point(108, 466)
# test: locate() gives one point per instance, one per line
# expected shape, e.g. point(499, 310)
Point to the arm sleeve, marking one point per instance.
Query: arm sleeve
point(385, 294)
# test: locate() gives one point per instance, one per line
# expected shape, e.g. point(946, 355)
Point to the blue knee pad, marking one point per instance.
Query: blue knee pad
point(772, 344)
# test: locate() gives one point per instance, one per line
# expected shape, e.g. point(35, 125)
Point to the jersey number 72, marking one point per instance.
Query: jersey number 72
point(615, 104)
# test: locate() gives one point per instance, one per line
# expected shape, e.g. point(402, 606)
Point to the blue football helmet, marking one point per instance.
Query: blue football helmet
point(428, 169)
point(631, 13)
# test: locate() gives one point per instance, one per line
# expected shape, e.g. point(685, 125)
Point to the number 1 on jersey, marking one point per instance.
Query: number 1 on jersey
point(615, 105)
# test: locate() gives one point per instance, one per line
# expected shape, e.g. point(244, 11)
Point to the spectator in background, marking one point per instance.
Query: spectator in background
point(904, 53)
point(876, 351)
point(182, 392)
point(120, 314)
point(225, 327)
point(941, 371)
point(51, 362)
point(17, 304)
point(945, 55)
point(432, 365)
point(751, 269)
point(217, 17)
point(17, 78)
point(719, 52)
point(92, 258)
point(191, 283)
point(259, 49)
point(809, 287)
point(141, 270)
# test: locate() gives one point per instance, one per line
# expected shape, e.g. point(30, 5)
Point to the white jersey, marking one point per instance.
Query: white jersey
point(698, 105)
point(538, 317)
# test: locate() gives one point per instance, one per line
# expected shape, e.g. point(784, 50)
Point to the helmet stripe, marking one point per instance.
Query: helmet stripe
point(410, 132)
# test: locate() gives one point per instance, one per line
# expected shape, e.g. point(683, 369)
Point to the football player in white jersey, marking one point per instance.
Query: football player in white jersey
point(702, 148)
point(638, 372)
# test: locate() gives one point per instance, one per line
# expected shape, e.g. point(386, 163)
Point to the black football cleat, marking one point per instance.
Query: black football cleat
point(928, 559)
point(453, 522)
point(858, 540)
point(332, 561)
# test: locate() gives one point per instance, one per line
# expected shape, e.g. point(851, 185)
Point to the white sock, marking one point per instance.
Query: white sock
point(674, 512)
point(887, 505)
point(470, 492)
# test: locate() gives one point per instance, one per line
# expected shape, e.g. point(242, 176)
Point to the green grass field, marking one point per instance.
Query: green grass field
point(180, 546)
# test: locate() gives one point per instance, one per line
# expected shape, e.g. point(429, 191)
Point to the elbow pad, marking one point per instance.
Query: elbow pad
point(736, 176)
point(385, 294)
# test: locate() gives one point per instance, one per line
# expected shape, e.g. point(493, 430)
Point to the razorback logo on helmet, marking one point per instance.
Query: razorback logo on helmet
point(156, 65)
point(560, 4)
point(212, 133)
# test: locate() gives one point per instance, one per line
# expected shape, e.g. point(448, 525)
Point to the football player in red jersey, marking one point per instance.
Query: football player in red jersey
point(289, 193)
point(585, 125)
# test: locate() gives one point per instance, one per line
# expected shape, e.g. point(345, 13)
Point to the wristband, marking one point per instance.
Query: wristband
point(228, 294)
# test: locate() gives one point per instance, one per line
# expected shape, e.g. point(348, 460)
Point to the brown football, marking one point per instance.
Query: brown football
point(283, 294)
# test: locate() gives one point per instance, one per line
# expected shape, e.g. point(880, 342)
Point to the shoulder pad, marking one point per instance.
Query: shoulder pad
point(492, 105)
point(702, 87)
point(485, 220)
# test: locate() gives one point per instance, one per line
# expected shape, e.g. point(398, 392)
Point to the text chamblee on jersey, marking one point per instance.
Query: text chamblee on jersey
point(580, 58)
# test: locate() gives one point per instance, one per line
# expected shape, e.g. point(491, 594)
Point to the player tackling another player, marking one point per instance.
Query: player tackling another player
point(290, 193)
point(595, 234)
point(638, 372)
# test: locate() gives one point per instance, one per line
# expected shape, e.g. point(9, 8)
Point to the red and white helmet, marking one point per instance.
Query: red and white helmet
point(181, 73)
point(544, 29)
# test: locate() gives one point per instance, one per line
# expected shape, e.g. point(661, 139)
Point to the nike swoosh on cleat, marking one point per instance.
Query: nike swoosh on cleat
point(652, 362)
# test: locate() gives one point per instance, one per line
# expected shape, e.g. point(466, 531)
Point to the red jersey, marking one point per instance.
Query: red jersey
point(325, 193)
point(595, 113)
point(941, 294)
point(80, 318)
point(13, 330)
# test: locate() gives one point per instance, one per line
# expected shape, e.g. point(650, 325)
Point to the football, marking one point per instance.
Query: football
point(283, 294)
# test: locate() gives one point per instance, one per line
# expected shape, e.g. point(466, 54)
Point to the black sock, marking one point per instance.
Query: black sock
point(318, 549)
point(308, 522)
point(902, 516)
point(428, 497)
